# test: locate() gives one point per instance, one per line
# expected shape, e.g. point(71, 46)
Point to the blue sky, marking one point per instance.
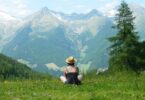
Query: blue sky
point(23, 8)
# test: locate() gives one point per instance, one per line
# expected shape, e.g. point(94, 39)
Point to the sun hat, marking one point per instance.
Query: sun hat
point(70, 60)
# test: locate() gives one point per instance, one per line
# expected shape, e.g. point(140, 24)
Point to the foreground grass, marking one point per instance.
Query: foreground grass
point(103, 87)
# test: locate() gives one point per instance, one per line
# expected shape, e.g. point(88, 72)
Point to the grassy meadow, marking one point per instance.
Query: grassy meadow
point(94, 87)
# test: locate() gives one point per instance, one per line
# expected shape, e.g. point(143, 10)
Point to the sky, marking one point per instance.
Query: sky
point(22, 8)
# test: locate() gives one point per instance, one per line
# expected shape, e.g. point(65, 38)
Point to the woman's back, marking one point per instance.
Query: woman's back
point(72, 75)
point(71, 69)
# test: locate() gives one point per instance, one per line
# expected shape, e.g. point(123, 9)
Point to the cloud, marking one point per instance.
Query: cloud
point(18, 8)
point(109, 8)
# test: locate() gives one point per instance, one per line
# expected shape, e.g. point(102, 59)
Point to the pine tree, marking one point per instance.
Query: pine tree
point(123, 50)
point(141, 56)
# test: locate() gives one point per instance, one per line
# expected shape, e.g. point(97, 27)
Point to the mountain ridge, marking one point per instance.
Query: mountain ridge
point(49, 37)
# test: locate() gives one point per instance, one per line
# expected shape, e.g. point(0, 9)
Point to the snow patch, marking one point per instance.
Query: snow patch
point(27, 63)
point(4, 16)
point(53, 66)
point(79, 30)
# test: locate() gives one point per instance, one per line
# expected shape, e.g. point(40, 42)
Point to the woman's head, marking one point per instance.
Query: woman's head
point(71, 60)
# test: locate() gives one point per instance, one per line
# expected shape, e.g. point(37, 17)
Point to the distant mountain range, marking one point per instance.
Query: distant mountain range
point(46, 38)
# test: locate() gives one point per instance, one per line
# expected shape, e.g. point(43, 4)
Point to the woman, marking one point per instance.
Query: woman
point(71, 73)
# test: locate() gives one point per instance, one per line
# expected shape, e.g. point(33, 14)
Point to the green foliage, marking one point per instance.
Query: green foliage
point(123, 51)
point(11, 69)
point(141, 56)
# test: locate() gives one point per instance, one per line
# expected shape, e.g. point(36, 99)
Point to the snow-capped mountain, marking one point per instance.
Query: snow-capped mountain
point(46, 38)
point(76, 16)
point(5, 17)
point(8, 27)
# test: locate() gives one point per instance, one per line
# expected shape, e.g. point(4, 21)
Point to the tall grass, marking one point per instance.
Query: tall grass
point(122, 86)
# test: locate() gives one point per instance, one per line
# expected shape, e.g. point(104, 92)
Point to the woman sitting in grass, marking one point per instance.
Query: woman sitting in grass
point(71, 73)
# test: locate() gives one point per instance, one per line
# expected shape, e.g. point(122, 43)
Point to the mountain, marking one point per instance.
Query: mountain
point(47, 38)
point(8, 27)
point(41, 42)
point(11, 69)
point(81, 16)
point(139, 12)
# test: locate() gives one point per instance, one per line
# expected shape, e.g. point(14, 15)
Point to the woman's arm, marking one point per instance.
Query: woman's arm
point(64, 72)
point(77, 70)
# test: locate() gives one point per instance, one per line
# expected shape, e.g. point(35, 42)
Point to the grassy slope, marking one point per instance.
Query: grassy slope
point(11, 69)
point(119, 87)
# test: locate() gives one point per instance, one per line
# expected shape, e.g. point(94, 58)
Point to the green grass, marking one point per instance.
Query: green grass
point(101, 87)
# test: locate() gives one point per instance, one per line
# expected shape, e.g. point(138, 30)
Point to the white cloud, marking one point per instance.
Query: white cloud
point(18, 8)
point(109, 8)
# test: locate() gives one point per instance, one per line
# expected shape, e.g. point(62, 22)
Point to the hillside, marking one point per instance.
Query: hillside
point(11, 69)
